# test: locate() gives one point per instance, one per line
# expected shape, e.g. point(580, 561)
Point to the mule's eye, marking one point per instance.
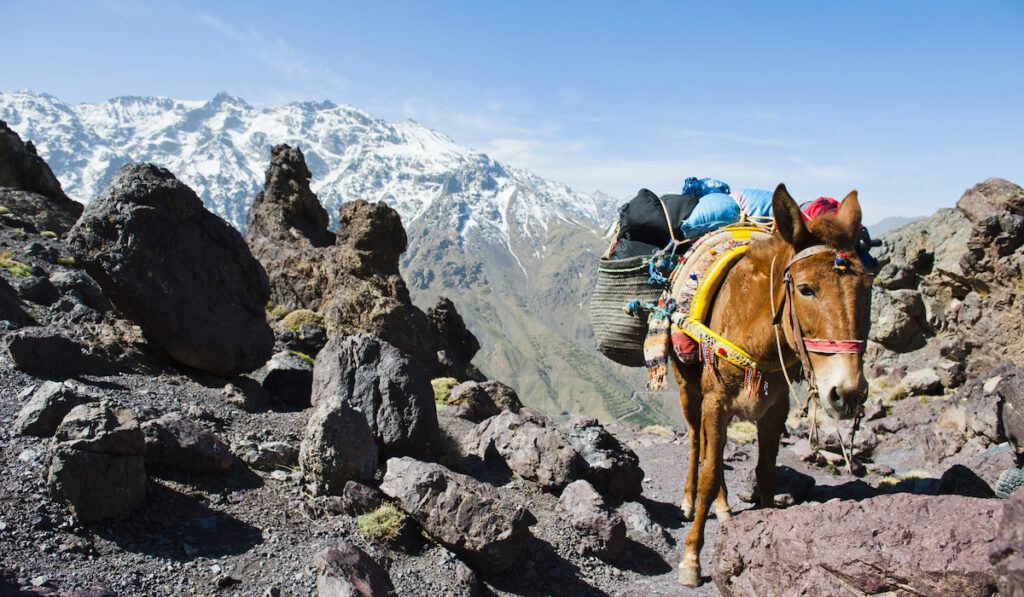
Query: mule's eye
point(806, 290)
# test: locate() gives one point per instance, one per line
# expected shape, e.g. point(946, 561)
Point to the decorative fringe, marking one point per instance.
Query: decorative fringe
point(752, 381)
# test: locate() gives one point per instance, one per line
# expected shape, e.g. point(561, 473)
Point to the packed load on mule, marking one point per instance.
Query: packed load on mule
point(652, 237)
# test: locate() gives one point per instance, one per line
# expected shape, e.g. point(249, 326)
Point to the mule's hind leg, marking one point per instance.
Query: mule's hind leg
point(769, 430)
point(689, 402)
point(713, 424)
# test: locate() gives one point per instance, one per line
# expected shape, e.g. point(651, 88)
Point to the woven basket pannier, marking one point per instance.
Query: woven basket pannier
point(620, 335)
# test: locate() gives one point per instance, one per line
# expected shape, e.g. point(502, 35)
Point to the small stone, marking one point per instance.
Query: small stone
point(279, 475)
point(40, 581)
point(991, 384)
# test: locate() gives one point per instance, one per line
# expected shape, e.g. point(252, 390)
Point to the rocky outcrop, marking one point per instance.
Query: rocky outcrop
point(466, 516)
point(1007, 554)
point(373, 377)
point(28, 189)
point(183, 274)
point(97, 465)
point(903, 543)
point(350, 277)
point(954, 275)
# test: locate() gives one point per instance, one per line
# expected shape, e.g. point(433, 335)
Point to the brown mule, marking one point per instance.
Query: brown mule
point(807, 279)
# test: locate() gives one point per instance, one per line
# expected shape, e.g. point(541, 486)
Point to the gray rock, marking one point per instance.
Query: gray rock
point(922, 382)
point(287, 377)
point(373, 377)
point(11, 306)
point(97, 466)
point(182, 444)
point(338, 447)
point(1007, 551)
point(502, 395)
point(602, 532)
point(529, 447)
point(907, 544)
point(358, 498)
point(466, 516)
point(179, 271)
point(39, 290)
point(346, 571)
point(640, 527)
point(896, 317)
point(611, 467)
point(792, 487)
point(267, 456)
point(48, 406)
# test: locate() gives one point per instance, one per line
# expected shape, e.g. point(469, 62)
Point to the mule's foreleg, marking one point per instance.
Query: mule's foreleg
point(769, 430)
point(709, 485)
point(690, 402)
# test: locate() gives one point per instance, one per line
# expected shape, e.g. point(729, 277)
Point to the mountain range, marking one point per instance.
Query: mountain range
point(515, 252)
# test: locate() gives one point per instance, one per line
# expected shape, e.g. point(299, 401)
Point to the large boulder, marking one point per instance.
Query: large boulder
point(373, 377)
point(352, 277)
point(529, 447)
point(53, 353)
point(179, 271)
point(97, 462)
point(908, 544)
point(28, 188)
point(337, 448)
point(986, 198)
point(288, 377)
point(609, 465)
point(466, 516)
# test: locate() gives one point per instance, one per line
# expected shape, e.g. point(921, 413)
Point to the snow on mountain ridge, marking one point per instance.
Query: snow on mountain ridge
point(220, 148)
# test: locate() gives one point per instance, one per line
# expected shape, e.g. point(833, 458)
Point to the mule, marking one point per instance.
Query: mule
point(799, 300)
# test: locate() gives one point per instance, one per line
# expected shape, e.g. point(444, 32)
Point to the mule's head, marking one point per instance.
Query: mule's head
point(830, 298)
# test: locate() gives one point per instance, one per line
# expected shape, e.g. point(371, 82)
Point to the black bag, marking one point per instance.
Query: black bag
point(643, 222)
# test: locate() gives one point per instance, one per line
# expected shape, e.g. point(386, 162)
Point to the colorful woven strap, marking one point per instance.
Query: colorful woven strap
point(831, 346)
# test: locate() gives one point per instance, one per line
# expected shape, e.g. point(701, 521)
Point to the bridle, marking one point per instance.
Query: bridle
point(803, 345)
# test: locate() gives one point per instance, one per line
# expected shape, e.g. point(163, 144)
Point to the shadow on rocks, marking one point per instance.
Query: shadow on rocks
point(181, 527)
point(641, 559)
point(663, 513)
point(541, 572)
point(236, 478)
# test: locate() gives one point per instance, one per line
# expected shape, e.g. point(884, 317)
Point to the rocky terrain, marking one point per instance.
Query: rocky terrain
point(187, 411)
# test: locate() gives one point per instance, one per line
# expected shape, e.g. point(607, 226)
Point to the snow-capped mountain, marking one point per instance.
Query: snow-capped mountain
point(517, 253)
point(221, 149)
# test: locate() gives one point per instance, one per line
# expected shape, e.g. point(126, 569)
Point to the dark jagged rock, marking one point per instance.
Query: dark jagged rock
point(182, 273)
point(97, 465)
point(466, 516)
point(81, 286)
point(286, 210)
point(470, 401)
point(178, 443)
point(352, 277)
point(903, 543)
point(29, 190)
point(346, 571)
point(394, 394)
point(987, 197)
point(359, 498)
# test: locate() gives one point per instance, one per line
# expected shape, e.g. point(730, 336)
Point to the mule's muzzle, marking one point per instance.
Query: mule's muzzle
point(847, 404)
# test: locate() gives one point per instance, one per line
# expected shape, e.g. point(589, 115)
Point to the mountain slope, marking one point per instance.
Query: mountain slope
point(515, 252)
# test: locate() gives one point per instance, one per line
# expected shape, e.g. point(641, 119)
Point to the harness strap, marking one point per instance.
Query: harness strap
point(831, 346)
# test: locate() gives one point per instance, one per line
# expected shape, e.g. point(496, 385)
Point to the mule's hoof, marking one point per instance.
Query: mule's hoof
point(689, 577)
point(686, 513)
point(723, 515)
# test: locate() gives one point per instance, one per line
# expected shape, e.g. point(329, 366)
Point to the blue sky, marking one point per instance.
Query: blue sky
point(908, 102)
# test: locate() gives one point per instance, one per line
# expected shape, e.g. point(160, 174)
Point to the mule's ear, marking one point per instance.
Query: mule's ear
point(849, 214)
point(788, 219)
